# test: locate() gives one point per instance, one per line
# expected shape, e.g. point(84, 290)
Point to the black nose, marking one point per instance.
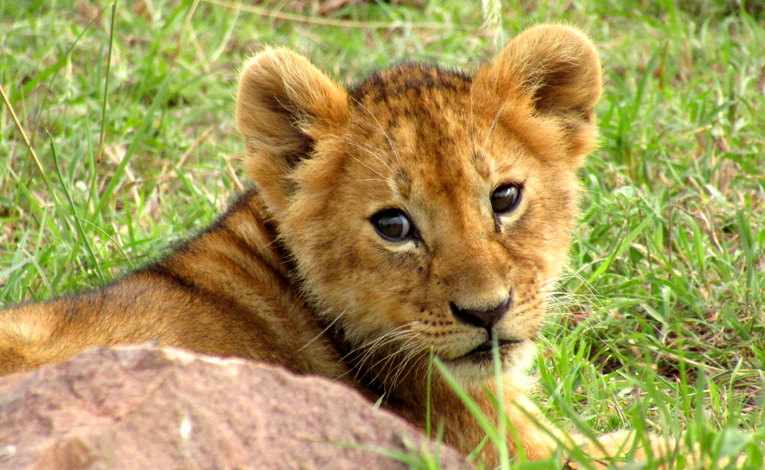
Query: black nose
point(482, 318)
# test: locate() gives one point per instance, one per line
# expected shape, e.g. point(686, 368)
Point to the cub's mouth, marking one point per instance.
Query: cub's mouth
point(484, 351)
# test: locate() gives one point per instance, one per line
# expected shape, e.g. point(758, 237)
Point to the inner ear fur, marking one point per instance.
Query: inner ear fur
point(554, 71)
point(284, 103)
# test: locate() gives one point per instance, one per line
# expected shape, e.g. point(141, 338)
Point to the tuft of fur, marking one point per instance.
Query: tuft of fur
point(295, 274)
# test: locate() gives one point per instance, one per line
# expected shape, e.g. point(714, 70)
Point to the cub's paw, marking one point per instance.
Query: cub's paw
point(623, 448)
point(620, 448)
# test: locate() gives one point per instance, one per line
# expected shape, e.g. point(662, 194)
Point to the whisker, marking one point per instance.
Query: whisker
point(374, 179)
point(379, 159)
point(276, 238)
point(407, 345)
point(371, 347)
point(415, 355)
point(370, 352)
point(323, 331)
point(472, 117)
point(530, 304)
point(369, 167)
point(371, 343)
point(493, 125)
point(385, 133)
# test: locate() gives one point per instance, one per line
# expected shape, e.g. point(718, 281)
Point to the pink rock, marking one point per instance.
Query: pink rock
point(152, 408)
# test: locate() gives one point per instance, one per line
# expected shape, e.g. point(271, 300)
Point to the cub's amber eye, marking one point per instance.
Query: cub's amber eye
point(505, 198)
point(392, 224)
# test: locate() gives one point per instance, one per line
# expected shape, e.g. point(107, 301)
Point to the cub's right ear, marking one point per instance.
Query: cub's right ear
point(553, 71)
point(284, 104)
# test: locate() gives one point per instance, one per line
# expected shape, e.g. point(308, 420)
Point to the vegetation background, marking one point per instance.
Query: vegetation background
point(117, 138)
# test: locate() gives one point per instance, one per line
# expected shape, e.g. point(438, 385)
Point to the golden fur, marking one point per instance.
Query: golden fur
point(295, 273)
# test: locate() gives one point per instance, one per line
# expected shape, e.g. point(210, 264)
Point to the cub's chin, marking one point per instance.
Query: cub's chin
point(477, 365)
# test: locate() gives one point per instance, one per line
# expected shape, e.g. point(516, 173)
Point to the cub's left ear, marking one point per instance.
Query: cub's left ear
point(555, 71)
point(284, 107)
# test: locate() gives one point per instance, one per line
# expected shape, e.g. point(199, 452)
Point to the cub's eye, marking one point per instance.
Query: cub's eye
point(392, 224)
point(505, 198)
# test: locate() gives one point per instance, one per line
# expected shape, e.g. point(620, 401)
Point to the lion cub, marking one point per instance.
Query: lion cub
point(422, 212)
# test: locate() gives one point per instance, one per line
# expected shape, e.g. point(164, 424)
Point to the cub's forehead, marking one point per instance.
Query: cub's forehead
point(407, 81)
point(414, 118)
point(422, 111)
point(420, 120)
point(416, 130)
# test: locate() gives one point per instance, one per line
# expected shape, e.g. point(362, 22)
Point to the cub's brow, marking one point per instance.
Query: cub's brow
point(480, 163)
point(403, 183)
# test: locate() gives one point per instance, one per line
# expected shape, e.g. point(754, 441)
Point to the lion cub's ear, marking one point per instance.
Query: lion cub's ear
point(284, 104)
point(554, 70)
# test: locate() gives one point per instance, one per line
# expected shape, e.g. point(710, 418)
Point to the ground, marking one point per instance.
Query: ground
point(656, 325)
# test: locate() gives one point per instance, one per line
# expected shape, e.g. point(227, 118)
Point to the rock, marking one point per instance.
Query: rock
point(152, 408)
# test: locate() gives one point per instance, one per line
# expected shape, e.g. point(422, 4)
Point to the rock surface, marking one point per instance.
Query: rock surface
point(152, 408)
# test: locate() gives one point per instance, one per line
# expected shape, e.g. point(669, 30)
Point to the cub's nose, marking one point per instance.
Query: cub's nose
point(482, 318)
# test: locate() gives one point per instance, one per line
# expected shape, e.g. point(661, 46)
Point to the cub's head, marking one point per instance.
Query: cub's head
point(426, 209)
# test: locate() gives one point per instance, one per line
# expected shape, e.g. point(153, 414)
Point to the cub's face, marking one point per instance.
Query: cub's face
point(428, 210)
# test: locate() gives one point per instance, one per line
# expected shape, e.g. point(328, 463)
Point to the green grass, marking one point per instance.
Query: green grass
point(657, 325)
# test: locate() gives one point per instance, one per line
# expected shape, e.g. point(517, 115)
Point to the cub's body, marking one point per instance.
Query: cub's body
point(217, 294)
point(424, 212)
